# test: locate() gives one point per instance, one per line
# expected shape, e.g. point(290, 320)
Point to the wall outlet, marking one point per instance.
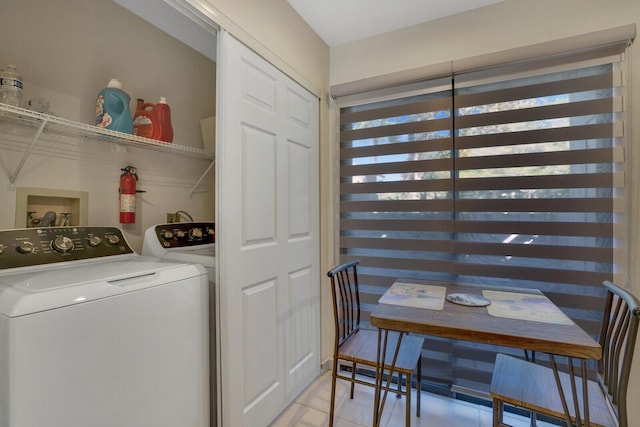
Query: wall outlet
point(173, 217)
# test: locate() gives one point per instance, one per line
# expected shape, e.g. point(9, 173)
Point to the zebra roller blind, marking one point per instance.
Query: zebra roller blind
point(511, 177)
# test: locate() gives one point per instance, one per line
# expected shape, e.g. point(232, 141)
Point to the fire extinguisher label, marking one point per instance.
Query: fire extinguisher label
point(127, 203)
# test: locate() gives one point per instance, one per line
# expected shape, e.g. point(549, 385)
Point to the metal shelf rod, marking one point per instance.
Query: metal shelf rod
point(202, 177)
point(14, 176)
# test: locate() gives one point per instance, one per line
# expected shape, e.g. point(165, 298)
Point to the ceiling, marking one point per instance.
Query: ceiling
point(343, 21)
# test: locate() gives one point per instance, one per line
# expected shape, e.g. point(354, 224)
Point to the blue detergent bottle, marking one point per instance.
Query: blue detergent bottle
point(112, 108)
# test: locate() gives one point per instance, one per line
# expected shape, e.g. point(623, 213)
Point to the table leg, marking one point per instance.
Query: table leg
point(585, 391)
point(563, 399)
point(380, 355)
point(379, 398)
point(574, 391)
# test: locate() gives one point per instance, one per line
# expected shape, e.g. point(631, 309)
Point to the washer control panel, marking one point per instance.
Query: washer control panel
point(185, 234)
point(36, 246)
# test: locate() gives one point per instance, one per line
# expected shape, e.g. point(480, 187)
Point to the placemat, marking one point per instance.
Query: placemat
point(415, 295)
point(513, 305)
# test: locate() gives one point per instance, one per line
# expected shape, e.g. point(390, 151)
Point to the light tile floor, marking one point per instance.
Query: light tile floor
point(311, 409)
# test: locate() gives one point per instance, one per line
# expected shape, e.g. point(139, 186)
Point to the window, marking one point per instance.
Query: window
point(505, 177)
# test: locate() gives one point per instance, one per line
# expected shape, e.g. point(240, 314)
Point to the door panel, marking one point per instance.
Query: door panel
point(299, 215)
point(258, 186)
point(267, 237)
point(260, 332)
point(303, 359)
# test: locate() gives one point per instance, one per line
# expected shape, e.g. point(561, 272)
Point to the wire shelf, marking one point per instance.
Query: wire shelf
point(45, 123)
point(60, 126)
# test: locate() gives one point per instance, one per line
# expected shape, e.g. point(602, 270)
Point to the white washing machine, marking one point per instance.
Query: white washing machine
point(192, 242)
point(92, 334)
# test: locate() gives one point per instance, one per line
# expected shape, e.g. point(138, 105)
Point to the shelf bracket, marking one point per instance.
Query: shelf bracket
point(14, 176)
point(213, 162)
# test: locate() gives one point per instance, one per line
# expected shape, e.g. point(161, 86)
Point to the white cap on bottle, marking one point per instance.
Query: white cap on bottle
point(163, 100)
point(115, 83)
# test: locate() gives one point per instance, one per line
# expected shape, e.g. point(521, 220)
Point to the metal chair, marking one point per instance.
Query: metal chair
point(354, 345)
point(527, 385)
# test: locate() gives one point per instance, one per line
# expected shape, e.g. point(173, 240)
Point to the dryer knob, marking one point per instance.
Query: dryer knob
point(196, 233)
point(25, 247)
point(1, 248)
point(167, 235)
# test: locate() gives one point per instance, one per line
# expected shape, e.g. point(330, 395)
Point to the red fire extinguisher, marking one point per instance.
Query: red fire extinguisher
point(128, 195)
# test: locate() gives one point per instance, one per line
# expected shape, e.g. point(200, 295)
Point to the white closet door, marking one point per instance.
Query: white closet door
point(267, 236)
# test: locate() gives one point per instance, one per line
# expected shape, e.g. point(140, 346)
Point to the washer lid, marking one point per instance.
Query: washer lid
point(41, 290)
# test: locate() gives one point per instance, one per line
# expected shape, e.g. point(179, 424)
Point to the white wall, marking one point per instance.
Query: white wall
point(66, 52)
point(499, 27)
point(275, 26)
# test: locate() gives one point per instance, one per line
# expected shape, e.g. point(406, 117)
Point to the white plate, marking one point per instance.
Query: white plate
point(468, 299)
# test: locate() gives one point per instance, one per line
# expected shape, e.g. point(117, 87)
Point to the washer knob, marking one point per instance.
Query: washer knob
point(25, 247)
point(180, 234)
point(167, 235)
point(95, 241)
point(112, 239)
point(62, 244)
point(1, 248)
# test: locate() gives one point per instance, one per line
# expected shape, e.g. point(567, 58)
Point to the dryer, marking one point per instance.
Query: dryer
point(93, 334)
point(183, 241)
point(192, 242)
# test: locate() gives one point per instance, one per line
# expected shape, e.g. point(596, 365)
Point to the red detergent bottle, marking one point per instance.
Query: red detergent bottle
point(153, 120)
point(164, 130)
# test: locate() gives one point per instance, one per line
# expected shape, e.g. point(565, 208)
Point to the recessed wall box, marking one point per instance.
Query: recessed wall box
point(35, 207)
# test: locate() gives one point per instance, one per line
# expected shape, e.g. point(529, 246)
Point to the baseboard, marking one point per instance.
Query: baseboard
point(326, 366)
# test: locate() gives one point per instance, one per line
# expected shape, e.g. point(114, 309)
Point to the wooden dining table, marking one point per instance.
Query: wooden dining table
point(520, 318)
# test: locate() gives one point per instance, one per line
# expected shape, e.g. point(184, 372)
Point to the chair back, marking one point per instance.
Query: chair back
point(346, 301)
point(618, 338)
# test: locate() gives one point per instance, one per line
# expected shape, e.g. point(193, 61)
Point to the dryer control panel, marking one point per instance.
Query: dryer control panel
point(36, 246)
point(185, 234)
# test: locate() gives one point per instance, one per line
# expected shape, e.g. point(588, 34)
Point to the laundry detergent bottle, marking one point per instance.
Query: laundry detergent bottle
point(143, 119)
point(112, 108)
point(153, 120)
point(163, 132)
